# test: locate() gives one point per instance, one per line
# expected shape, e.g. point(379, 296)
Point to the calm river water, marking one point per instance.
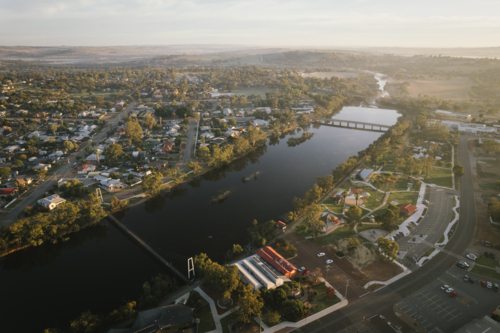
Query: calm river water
point(99, 269)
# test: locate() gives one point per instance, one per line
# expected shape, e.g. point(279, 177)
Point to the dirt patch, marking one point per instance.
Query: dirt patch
point(381, 270)
point(345, 265)
point(360, 257)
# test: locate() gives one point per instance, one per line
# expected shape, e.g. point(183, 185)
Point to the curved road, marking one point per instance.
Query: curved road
point(390, 295)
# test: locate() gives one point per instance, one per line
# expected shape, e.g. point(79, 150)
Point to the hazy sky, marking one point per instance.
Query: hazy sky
point(406, 23)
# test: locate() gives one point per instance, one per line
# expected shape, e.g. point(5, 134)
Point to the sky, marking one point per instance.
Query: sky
point(268, 23)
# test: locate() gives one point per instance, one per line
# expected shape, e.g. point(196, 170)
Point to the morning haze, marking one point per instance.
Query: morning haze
point(236, 166)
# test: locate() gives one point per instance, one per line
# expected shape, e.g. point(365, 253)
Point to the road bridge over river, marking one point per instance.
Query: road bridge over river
point(359, 125)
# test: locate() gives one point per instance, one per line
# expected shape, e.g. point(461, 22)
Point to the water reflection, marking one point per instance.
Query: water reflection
point(27, 259)
point(154, 204)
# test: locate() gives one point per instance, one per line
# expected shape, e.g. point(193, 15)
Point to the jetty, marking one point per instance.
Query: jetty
point(146, 247)
point(353, 124)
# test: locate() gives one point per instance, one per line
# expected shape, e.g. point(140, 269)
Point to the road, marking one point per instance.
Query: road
point(386, 297)
point(190, 141)
point(12, 216)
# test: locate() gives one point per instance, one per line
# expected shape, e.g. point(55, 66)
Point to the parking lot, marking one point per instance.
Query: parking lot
point(436, 311)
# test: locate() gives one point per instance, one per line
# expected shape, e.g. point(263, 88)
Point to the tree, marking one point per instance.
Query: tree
point(41, 173)
point(273, 318)
point(250, 304)
point(254, 135)
point(325, 182)
point(118, 205)
point(240, 145)
point(5, 172)
point(354, 214)
point(149, 121)
point(388, 247)
point(353, 244)
point(18, 163)
point(113, 153)
point(203, 153)
point(261, 233)
point(52, 129)
point(86, 323)
point(152, 183)
point(175, 174)
point(195, 166)
point(133, 131)
point(73, 188)
point(458, 170)
point(491, 146)
point(232, 122)
point(312, 220)
point(67, 146)
point(295, 310)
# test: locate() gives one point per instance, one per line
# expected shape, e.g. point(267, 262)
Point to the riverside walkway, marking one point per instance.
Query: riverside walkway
point(148, 248)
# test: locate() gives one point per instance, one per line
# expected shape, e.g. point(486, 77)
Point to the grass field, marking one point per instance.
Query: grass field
point(367, 226)
point(487, 272)
point(487, 262)
point(207, 323)
point(320, 299)
point(403, 197)
point(339, 233)
point(439, 176)
point(334, 208)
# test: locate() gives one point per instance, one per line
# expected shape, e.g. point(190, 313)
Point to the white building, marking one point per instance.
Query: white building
point(227, 112)
point(260, 122)
point(51, 202)
point(468, 127)
point(253, 271)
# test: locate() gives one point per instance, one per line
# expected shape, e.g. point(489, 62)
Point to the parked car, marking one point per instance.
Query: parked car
point(305, 272)
point(495, 287)
point(329, 261)
point(466, 278)
point(489, 285)
point(453, 294)
point(471, 256)
point(483, 283)
point(321, 254)
point(449, 290)
point(301, 269)
point(487, 243)
point(445, 287)
point(471, 280)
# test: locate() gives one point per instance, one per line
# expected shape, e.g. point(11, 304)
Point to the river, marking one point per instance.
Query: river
point(99, 269)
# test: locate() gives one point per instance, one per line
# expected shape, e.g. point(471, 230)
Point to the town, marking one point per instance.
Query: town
point(400, 235)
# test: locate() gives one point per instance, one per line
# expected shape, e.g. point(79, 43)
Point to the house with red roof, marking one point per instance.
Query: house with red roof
point(7, 191)
point(281, 225)
point(407, 209)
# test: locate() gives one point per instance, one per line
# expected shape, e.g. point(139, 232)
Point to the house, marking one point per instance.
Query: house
point(260, 122)
point(112, 185)
point(120, 104)
point(232, 133)
point(281, 225)
point(208, 135)
point(41, 166)
point(266, 109)
point(167, 146)
point(407, 209)
point(23, 181)
point(51, 202)
point(227, 112)
point(7, 191)
point(21, 112)
point(11, 149)
point(85, 168)
point(5, 128)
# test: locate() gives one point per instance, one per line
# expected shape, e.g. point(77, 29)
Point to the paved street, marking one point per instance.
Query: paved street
point(190, 140)
point(373, 303)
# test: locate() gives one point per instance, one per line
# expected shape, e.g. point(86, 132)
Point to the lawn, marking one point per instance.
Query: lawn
point(368, 226)
point(488, 272)
point(487, 262)
point(339, 233)
point(404, 197)
point(334, 208)
point(207, 323)
point(388, 167)
point(439, 176)
point(225, 321)
point(320, 299)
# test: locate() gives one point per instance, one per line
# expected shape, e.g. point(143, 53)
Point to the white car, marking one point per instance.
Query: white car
point(489, 285)
point(301, 269)
point(471, 257)
point(329, 261)
point(449, 290)
point(445, 287)
point(321, 254)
